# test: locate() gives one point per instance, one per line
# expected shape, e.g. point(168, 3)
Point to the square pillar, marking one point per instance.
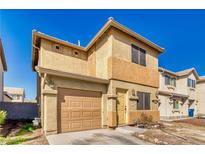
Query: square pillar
point(112, 115)
point(50, 111)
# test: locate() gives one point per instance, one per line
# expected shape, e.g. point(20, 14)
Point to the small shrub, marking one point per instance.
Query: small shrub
point(3, 115)
point(145, 119)
point(28, 127)
point(25, 129)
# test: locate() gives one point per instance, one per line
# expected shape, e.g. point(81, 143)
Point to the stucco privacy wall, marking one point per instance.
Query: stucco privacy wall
point(50, 99)
point(132, 113)
point(20, 110)
point(201, 97)
point(65, 59)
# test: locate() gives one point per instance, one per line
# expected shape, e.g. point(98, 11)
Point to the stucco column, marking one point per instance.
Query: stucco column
point(50, 111)
point(132, 106)
point(112, 115)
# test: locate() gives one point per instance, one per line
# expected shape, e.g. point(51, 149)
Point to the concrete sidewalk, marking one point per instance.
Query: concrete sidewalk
point(95, 137)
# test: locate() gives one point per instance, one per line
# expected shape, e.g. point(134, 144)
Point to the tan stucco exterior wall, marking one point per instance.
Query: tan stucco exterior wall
point(126, 71)
point(63, 60)
point(50, 94)
point(201, 97)
point(132, 114)
point(122, 48)
point(103, 52)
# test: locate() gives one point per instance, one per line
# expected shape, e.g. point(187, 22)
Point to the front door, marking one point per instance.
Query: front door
point(121, 107)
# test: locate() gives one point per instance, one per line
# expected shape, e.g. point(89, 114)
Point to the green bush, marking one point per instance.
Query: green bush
point(25, 129)
point(28, 127)
point(3, 115)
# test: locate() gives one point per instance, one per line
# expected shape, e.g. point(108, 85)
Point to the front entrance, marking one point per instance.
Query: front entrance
point(121, 106)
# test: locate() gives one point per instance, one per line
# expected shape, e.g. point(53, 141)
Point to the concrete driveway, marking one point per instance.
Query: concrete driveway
point(95, 137)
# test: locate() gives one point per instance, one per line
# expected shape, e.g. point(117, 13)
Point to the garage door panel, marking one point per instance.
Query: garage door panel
point(75, 104)
point(97, 114)
point(96, 105)
point(87, 104)
point(75, 115)
point(96, 123)
point(87, 124)
point(87, 114)
point(76, 125)
point(79, 110)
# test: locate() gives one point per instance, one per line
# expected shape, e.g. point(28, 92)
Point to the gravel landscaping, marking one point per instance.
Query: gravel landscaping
point(21, 132)
point(184, 132)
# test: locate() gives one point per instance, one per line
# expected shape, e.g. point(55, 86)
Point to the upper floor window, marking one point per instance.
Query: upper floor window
point(191, 83)
point(170, 81)
point(143, 101)
point(138, 55)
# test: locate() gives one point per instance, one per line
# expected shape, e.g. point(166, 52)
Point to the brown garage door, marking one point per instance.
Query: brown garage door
point(78, 110)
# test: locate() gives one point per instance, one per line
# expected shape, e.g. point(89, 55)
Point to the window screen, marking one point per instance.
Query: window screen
point(138, 55)
point(140, 101)
point(135, 54)
point(143, 101)
point(142, 57)
point(147, 101)
point(191, 83)
point(170, 81)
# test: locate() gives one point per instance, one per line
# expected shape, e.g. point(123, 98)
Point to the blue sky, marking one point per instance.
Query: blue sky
point(181, 32)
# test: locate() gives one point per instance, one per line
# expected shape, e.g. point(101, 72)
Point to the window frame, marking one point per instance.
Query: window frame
point(140, 54)
point(171, 81)
point(191, 83)
point(145, 97)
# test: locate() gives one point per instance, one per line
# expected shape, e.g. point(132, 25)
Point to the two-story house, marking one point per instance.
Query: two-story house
point(16, 94)
point(3, 68)
point(177, 94)
point(109, 82)
point(201, 95)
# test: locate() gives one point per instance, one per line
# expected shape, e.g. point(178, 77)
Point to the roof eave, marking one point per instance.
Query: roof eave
point(110, 23)
point(71, 75)
point(117, 25)
point(137, 36)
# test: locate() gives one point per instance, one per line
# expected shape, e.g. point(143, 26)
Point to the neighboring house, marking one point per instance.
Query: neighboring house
point(3, 68)
point(30, 101)
point(177, 93)
point(201, 95)
point(109, 82)
point(7, 97)
point(17, 94)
